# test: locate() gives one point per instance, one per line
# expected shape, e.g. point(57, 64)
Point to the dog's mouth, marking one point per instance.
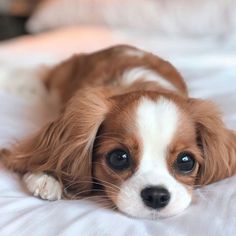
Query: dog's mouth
point(151, 214)
point(140, 197)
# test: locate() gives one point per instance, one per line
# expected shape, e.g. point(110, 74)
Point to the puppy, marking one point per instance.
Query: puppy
point(127, 125)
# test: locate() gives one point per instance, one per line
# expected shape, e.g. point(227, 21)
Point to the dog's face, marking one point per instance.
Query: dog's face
point(146, 156)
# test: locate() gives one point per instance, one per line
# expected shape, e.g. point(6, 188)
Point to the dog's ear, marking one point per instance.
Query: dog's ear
point(63, 148)
point(217, 143)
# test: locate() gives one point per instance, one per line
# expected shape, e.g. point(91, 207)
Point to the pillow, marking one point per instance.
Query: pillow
point(172, 17)
point(115, 13)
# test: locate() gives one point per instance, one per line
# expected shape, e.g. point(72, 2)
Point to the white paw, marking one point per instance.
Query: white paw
point(43, 185)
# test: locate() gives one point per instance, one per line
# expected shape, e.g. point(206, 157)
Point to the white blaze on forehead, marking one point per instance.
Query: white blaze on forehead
point(157, 123)
point(132, 75)
point(134, 52)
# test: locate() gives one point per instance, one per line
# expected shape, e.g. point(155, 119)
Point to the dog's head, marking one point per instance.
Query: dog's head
point(146, 154)
point(147, 150)
point(151, 150)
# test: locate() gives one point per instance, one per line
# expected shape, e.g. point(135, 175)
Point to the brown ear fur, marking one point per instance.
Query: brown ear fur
point(218, 144)
point(63, 148)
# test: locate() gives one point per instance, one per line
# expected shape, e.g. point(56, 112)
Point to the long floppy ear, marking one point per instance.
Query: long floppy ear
point(218, 144)
point(63, 148)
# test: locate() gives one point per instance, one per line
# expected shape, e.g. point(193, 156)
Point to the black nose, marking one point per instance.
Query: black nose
point(155, 197)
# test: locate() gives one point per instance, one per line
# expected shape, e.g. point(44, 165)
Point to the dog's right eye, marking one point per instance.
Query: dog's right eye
point(185, 162)
point(118, 160)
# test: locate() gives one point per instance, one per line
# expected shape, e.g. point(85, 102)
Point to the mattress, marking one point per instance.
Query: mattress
point(209, 68)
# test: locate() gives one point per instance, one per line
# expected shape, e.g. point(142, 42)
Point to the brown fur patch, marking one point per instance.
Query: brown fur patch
point(106, 67)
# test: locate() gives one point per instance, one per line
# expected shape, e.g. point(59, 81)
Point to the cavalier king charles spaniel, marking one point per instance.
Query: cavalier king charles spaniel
point(128, 126)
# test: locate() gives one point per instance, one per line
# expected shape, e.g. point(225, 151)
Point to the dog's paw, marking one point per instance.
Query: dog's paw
point(43, 186)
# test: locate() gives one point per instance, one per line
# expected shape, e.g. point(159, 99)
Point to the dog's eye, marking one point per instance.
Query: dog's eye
point(118, 159)
point(185, 162)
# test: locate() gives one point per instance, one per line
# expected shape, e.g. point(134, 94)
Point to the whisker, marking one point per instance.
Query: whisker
point(106, 184)
point(111, 183)
point(99, 190)
point(109, 169)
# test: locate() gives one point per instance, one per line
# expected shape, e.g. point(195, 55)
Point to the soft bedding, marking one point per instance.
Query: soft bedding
point(209, 67)
point(204, 17)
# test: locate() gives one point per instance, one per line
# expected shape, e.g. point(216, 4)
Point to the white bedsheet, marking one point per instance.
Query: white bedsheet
point(210, 70)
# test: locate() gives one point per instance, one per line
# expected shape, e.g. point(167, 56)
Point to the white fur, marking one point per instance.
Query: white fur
point(157, 123)
point(43, 185)
point(132, 75)
point(135, 53)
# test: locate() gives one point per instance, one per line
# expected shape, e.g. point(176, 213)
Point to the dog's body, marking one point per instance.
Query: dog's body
point(128, 124)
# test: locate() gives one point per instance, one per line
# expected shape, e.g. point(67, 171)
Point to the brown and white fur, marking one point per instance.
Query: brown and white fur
point(127, 99)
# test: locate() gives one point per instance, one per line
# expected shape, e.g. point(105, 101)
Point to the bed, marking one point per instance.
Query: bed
point(209, 67)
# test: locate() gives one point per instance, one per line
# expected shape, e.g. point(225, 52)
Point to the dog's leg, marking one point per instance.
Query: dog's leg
point(43, 185)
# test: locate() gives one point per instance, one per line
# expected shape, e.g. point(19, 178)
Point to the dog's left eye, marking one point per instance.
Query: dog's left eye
point(185, 162)
point(118, 160)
